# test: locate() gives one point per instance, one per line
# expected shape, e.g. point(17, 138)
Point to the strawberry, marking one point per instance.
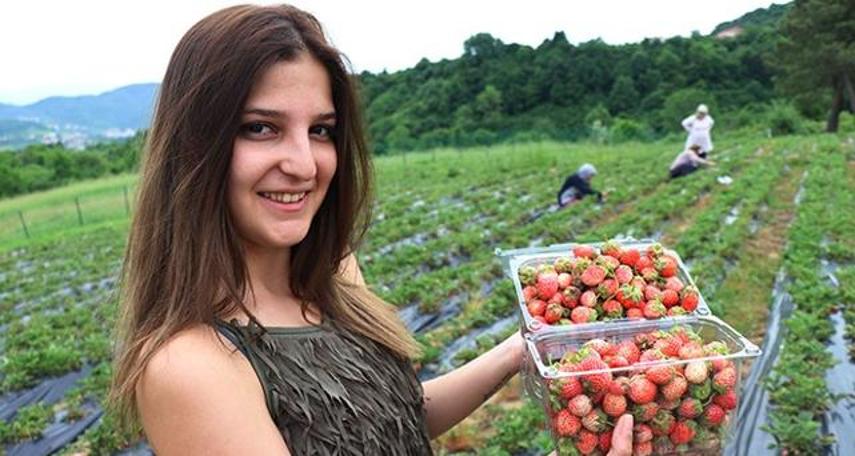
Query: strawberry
point(579, 266)
point(566, 424)
point(669, 346)
point(663, 445)
point(651, 292)
point(540, 319)
point(649, 274)
point(630, 296)
point(584, 251)
point(570, 387)
point(564, 280)
point(655, 250)
point(571, 296)
point(587, 442)
point(634, 314)
point(675, 388)
point(553, 313)
point(690, 408)
point(641, 390)
point(613, 309)
point(720, 364)
point(547, 284)
point(666, 266)
point(713, 415)
point(689, 298)
point(580, 405)
point(701, 391)
point(676, 311)
point(654, 309)
point(682, 433)
point(716, 348)
point(563, 264)
point(643, 262)
point(595, 382)
point(651, 355)
point(628, 350)
point(557, 298)
point(674, 283)
point(595, 421)
point(623, 274)
point(607, 288)
point(660, 375)
point(527, 275)
point(691, 350)
point(724, 380)
point(642, 449)
point(600, 346)
point(629, 257)
point(670, 297)
point(588, 299)
point(696, 372)
point(662, 423)
point(593, 275)
point(611, 248)
point(605, 441)
point(529, 293)
point(641, 433)
point(536, 307)
point(645, 412)
point(583, 315)
point(670, 404)
point(609, 263)
point(726, 400)
point(614, 404)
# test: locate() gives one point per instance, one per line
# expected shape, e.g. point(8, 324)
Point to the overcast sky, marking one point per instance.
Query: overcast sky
point(74, 47)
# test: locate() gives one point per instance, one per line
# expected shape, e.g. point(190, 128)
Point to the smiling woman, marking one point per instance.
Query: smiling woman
point(246, 326)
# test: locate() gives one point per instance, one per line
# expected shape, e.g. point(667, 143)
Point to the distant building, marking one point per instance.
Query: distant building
point(731, 32)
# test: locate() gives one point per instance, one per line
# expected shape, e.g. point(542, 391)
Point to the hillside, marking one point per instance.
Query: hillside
point(761, 17)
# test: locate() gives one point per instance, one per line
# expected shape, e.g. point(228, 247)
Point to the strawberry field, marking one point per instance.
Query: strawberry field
point(773, 254)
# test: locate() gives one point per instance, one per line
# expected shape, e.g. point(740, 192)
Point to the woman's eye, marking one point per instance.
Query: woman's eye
point(323, 131)
point(256, 129)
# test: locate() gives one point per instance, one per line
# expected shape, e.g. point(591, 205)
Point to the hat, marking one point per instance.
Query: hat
point(587, 170)
point(703, 108)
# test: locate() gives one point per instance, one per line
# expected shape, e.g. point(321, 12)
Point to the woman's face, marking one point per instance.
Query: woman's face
point(284, 156)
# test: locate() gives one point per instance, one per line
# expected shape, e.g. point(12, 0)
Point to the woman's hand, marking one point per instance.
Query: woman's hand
point(621, 438)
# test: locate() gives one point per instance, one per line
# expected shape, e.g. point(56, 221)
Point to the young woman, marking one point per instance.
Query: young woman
point(246, 326)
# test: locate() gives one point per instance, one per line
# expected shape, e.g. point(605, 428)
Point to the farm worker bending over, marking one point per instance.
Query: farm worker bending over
point(688, 162)
point(698, 125)
point(578, 185)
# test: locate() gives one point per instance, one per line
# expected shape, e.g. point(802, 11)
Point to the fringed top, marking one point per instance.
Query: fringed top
point(333, 392)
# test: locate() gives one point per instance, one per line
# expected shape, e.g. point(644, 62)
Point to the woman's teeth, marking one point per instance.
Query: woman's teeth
point(284, 197)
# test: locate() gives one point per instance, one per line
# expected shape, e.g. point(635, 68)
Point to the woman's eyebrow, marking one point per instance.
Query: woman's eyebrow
point(278, 114)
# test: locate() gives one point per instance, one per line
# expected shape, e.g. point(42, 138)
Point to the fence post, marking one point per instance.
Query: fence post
point(24, 224)
point(127, 204)
point(79, 214)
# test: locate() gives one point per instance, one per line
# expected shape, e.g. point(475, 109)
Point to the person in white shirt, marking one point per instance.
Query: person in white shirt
point(688, 162)
point(698, 125)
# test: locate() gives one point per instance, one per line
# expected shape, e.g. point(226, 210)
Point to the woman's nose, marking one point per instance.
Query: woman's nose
point(297, 158)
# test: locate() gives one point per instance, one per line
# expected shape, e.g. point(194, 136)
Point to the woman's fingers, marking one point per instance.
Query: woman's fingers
point(622, 437)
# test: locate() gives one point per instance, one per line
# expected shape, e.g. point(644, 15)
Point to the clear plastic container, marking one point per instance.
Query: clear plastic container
point(546, 381)
point(513, 260)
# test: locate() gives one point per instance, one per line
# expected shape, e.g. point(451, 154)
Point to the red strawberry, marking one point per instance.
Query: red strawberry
point(651, 292)
point(696, 372)
point(645, 412)
point(588, 299)
point(529, 293)
point(593, 275)
point(669, 346)
point(713, 415)
point(666, 266)
point(654, 309)
point(675, 389)
point(642, 449)
point(595, 382)
point(564, 280)
point(584, 251)
point(566, 424)
point(720, 364)
point(670, 297)
point(595, 421)
point(643, 263)
point(629, 351)
point(547, 284)
point(614, 405)
point(690, 408)
point(724, 380)
point(557, 298)
point(641, 390)
point(651, 355)
point(587, 442)
point(580, 405)
point(606, 441)
point(570, 388)
point(634, 314)
point(660, 375)
point(607, 288)
point(571, 296)
point(613, 309)
point(554, 312)
point(727, 400)
point(611, 248)
point(689, 298)
point(623, 274)
point(629, 257)
point(682, 433)
point(536, 307)
point(674, 283)
point(609, 263)
point(642, 433)
point(630, 296)
point(583, 315)
point(662, 423)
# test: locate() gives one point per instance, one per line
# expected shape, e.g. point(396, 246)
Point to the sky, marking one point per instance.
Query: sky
point(80, 47)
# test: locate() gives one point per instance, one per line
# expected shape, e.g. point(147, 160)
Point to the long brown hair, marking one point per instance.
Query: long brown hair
point(184, 264)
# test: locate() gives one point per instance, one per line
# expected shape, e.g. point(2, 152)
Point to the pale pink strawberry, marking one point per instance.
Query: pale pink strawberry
point(529, 293)
point(675, 389)
point(596, 421)
point(674, 283)
point(641, 390)
point(593, 275)
point(588, 299)
point(623, 274)
point(583, 315)
point(634, 314)
point(644, 412)
point(584, 251)
point(616, 361)
point(613, 309)
point(651, 355)
point(611, 248)
point(696, 372)
point(580, 405)
point(691, 350)
point(600, 346)
point(654, 309)
point(641, 433)
point(669, 346)
point(609, 263)
point(649, 274)
point(724, 380)
point(547, 284)
point(628, 350)
point(651, 292)
point(564, 280)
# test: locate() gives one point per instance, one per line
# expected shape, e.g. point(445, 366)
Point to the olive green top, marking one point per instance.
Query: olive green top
point(333, 392)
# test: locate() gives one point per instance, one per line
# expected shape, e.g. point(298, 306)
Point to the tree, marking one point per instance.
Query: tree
point(817, 52)
point(623, 96)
